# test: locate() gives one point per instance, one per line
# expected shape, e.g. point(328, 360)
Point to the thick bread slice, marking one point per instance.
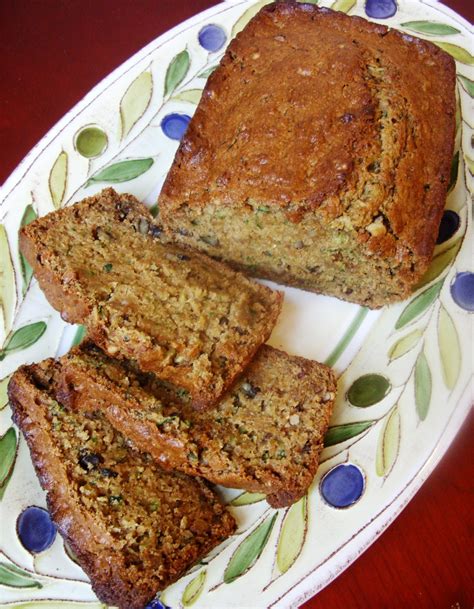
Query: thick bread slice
point(181, 315)
point(265, 435)
point(319, 155)
point(134, 528)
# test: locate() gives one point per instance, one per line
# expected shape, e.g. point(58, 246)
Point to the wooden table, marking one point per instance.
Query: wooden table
point(53, 53)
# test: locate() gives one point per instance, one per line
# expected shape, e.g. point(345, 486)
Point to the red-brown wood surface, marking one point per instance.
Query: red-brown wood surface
point(53, 53)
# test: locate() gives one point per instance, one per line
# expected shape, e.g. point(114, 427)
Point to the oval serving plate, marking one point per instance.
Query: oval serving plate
point(404, 371)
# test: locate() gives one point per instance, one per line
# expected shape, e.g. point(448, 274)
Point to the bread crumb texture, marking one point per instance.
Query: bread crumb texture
point(265, 435)
point(135, 528)
point(187, 318)
point(319, 155)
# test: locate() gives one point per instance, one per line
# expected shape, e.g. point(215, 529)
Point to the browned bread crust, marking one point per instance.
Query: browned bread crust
point(319, 155)
point(265, 435)
point(179, 314)
point(134, 528)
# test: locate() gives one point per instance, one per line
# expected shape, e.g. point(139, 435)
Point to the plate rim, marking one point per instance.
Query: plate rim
point(461, 410)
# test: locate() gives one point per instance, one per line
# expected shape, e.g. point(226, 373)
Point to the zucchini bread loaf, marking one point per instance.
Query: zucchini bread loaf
point(319, 155)
point(187, 318)
point(134, 528)
point(265, 435)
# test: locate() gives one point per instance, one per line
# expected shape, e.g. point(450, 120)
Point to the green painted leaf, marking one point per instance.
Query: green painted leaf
point(247, 498)
point(449, 349)
point(457, 52)
point(8, 449)
point(91, 142)
point(341, 433)
point(58, 179)
point(193, 589)
point(12, 576)
point(388, 444)
point(368, 390)
point(404, 344)
point(453, 176)
point(347, 336)
point(343, 5)
point(7, 281)
point(439, 263)
point(418, 305)
point(433, 28)
point(123, 171)
point(190, 95)
point(249, 550)
point(207, 72)
point(154, 210)
point(422, 386)
point(78, 337)
point(3, 391)
point(292, 535)
point(177, 70)
point(27, 272)
point(467, 83)
point(247, 16)
point(135, 101)
point(23, 337)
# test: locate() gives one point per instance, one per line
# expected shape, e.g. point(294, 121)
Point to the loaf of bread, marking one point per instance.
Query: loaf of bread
point(319, 155)
point(134, 528)
point(181, 315)
point(265, 436)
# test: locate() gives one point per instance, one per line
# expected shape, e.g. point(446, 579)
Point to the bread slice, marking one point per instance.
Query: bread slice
point(266, 435)
point(179, 314)
point(134, 528)
point(319, 155)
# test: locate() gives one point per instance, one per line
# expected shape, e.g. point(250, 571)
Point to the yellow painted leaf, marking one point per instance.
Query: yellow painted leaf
point(247, 498)
point(459, 54)
point(343, 5)
point(7, 281)
point(439, 263)
point(135, 101)
point(388, 444)
point(470, 164)
point(58, 179)
point(247, 16)
point(422, 386)
point(190, 95)
point(449, 348)
point(292, 535)
point(193, 589)
point(404, 345)
point(3, 391)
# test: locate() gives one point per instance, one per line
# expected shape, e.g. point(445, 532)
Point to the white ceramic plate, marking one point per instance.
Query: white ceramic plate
point(405, 371)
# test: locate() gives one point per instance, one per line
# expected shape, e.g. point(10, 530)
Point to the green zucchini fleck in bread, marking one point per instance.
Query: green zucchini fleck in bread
point(265, 435)
point(319, 155)
point(133, 527)
point(181, 315)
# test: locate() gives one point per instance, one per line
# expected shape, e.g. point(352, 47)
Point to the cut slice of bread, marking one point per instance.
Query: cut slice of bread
point(265, 435)
point(181, 315)
point(134, 528)
point(319, 155)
